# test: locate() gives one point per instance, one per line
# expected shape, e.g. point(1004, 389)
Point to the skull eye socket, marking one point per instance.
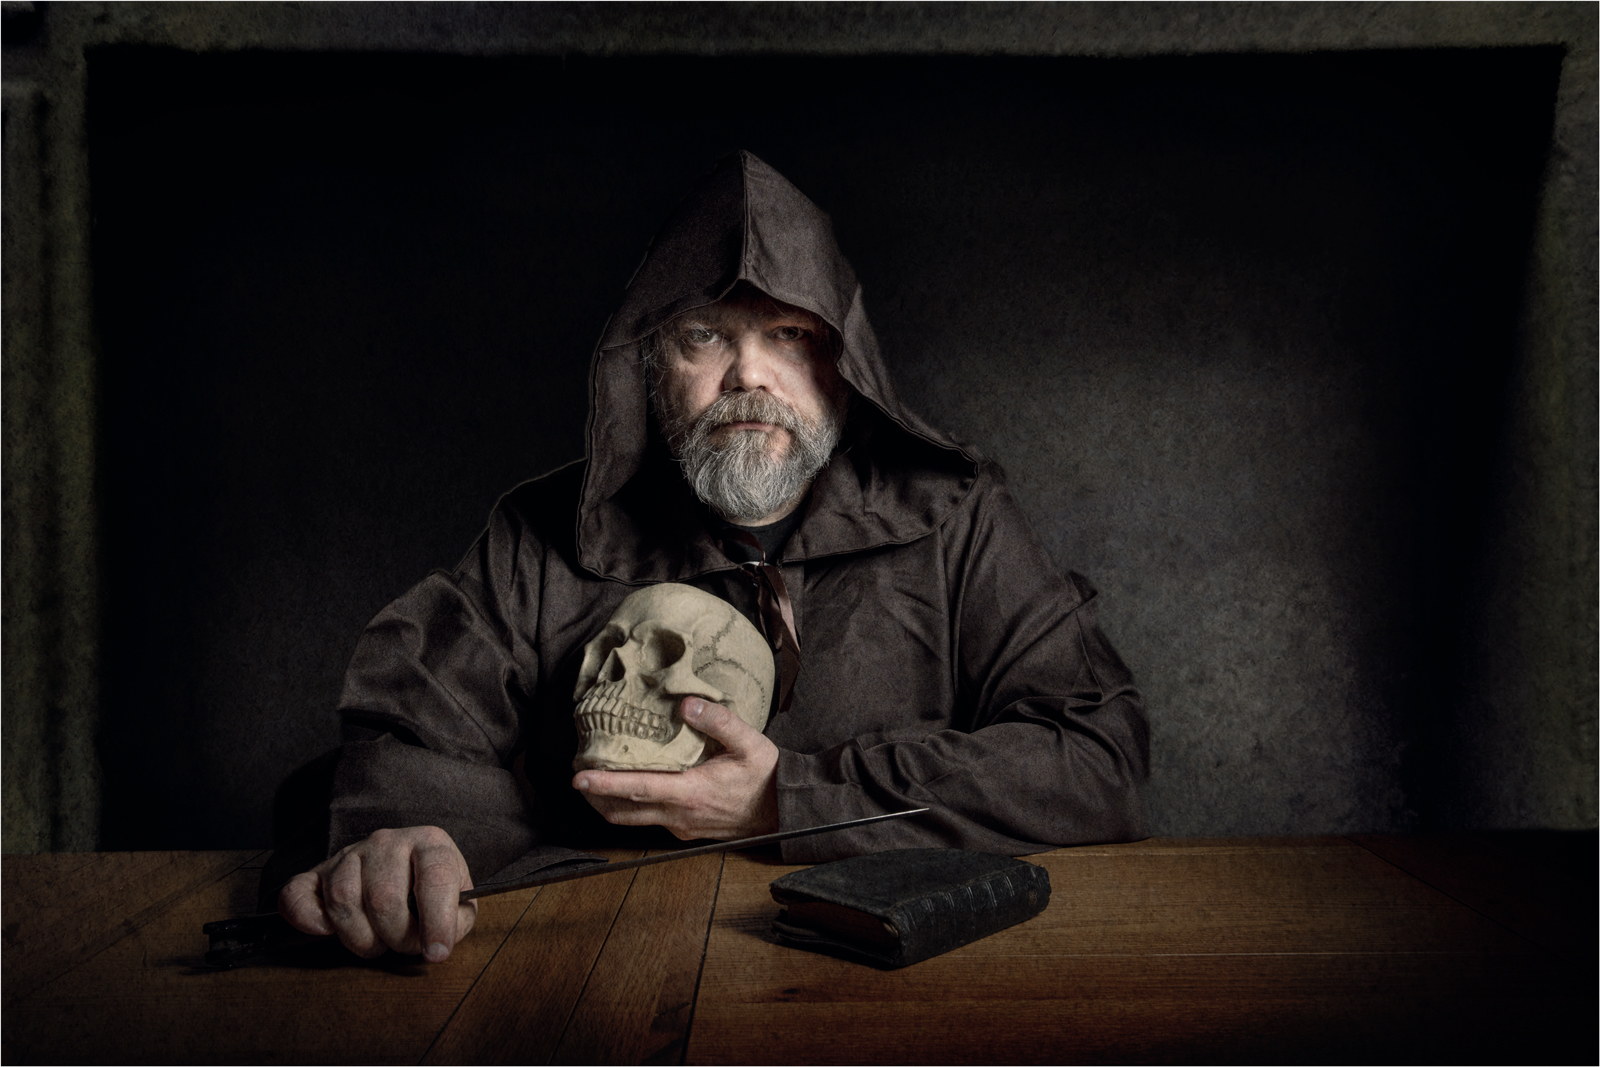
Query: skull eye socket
point(661, 648)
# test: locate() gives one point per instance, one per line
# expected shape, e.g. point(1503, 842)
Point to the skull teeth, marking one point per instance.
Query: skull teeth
point(604, 711)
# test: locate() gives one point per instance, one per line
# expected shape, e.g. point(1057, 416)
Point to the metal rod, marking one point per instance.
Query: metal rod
point(235, 940)
point(489, 889)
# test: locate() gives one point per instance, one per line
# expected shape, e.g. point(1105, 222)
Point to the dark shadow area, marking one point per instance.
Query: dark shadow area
point(1240, 328)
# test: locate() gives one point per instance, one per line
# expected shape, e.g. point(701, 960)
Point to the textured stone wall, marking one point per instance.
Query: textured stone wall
point(1293, 355)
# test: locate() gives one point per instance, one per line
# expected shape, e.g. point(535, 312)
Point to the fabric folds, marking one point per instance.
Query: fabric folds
point(947, 662)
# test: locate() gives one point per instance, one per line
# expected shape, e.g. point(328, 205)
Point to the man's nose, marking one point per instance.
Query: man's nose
point(752, 367)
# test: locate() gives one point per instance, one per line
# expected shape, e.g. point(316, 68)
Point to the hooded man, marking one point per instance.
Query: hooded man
point(744, 439)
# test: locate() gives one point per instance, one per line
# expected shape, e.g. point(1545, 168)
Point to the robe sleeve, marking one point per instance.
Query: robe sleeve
point(431, 709)
point(1052, 747)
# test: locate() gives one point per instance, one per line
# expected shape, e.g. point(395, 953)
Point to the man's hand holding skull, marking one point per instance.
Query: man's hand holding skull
point(671, 699)
point(732, 794)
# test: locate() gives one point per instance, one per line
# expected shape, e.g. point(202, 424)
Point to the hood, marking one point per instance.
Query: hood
point(894, 479)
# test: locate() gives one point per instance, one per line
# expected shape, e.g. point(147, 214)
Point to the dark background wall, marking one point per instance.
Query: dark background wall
point(1255, 335)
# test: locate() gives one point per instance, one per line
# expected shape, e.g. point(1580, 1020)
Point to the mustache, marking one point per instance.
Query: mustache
point(751, 407)
point(746, 476)
point(739, 407)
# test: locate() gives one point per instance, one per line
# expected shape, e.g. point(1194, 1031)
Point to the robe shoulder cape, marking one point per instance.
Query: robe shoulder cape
point(946, 662)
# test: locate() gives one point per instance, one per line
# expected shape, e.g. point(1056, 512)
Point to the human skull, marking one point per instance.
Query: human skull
point(664, 643)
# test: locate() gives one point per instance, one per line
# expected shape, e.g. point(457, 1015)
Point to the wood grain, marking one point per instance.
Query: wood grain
point(638, 1002)
point(1540, 884)
point(1151, 952)
point(149, 998)
point(59, 910)
point(520, 1008)
point(1160, 951)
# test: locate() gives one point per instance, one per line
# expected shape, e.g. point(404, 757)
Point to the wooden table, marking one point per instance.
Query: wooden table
point(1317, 948)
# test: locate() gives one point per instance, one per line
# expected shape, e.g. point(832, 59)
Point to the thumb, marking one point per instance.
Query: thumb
point(718, 723)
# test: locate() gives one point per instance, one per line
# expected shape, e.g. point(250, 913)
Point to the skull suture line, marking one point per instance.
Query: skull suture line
point(664, 643)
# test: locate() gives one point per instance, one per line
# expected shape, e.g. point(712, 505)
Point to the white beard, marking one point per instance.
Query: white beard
point(750, 476)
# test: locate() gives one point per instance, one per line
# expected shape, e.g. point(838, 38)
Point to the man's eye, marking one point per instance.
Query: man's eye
point(791, 333)
point(699, 336)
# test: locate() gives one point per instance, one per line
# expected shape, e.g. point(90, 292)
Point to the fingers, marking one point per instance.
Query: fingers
point(344, 902)
point(731, 794)
point(386, 883)
point(663, 788)
point(641, 787)
point(642, 798)
point(619, 812)
point(397, 889)
point(300, 903)
point(438, 880)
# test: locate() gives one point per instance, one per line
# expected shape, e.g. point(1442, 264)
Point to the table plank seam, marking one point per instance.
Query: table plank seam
point(511, 929)
point(1328, 956)
point(1452, 896)
point(694, 1002)
point(130, 926)
point(633, 878)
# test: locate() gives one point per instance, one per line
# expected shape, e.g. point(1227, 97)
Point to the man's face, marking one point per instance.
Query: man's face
point(750, 401)
point(748, 344)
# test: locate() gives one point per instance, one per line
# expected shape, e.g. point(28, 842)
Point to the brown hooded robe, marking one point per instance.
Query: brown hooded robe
point(946, 662)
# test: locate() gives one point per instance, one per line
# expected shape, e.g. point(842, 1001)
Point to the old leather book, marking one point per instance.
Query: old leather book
point(895, 908)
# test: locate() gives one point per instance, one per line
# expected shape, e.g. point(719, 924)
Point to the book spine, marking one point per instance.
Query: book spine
point(950, 918)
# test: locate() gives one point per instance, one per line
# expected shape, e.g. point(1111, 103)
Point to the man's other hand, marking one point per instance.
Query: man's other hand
point(364, 894)
point(732, 794)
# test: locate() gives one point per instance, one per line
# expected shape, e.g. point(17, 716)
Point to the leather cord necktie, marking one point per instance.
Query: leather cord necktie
point(776, 613)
